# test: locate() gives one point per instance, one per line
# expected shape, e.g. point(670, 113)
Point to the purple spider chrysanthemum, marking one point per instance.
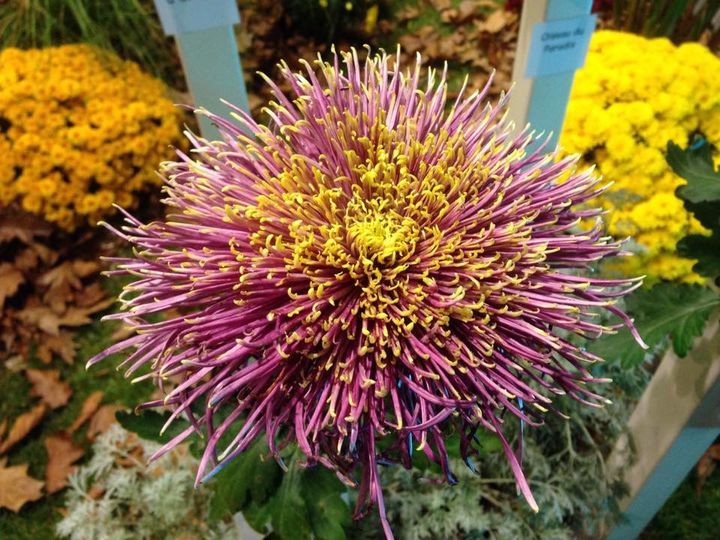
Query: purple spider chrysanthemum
point(372, 265)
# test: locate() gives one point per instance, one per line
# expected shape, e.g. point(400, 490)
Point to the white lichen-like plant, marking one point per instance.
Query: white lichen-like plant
point(119, 494)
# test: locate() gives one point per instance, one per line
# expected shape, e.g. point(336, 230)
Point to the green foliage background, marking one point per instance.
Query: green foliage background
point(129, 28)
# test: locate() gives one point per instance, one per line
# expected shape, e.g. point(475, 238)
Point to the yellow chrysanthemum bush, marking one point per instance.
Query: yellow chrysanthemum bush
point(79, 131)
point(632, 97)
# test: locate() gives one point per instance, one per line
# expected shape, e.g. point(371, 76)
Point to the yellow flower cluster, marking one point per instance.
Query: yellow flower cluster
point(79, 131)
point(632, 97)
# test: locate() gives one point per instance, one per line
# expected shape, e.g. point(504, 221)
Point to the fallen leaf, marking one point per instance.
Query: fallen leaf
point(92, 294)
point(408, 13)
point(16, 224)
point(449, 15)
point(465, 11)
point(62, 453)
point(89, 406)
point(706, 466)
point(16, 363)
point(714, 452)
point(47, 255)
point(42, 317)
point(23, 425)
point(16, 487)
point(85, 268)
point(62, 345)
point(75, 317)
point(495, 22)
point(410, 43)
point(27, 259)
point(441, 5)
point(101, 421)
point(60, 276)
point(48, 386)
point(10, 280)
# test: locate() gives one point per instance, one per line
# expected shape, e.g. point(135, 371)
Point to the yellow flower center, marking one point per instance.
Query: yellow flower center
point(381, 238)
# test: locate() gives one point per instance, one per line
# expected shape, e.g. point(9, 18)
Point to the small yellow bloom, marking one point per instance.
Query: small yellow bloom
point(85, 131)
point(632, 97)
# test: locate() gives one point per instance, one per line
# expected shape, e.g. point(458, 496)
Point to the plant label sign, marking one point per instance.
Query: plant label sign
point(559, 46)
point(184, 16)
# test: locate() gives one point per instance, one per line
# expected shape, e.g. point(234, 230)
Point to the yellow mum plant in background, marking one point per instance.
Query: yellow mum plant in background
point(79, 131)
point(632, 97)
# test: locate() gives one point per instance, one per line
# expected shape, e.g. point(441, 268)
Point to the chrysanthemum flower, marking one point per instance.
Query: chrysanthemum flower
point(373, 265)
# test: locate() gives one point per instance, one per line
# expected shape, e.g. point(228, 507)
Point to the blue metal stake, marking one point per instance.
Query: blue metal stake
point(204, 33)
point(675, 421)
point(688, 448)
point(554, 36)
point(210, 81)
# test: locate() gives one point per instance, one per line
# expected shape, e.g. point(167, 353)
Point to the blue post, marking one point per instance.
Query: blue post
point(673, 424)
point(204, 33)
point(554, 37)
point(686, 450)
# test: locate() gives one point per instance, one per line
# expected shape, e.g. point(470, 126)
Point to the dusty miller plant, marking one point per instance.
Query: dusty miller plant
point(120, 495)
point(565, 467)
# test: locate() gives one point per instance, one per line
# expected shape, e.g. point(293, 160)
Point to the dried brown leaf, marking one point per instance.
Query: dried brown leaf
point(48, 256)
point(90, 295)
point(408, 13)
point(460, 15)
point(83, 269)
point(466, 9)
point(441, 5)
point(44, 353)
point(27, 259)
point(42, 317)
point(101, 421)
point(23, 425)
point(410, 43)
point(16, 224)
point(10, 280)
point(495, 22)
point(16, 363)
point(75, 317)
point(62, 345)
point(48, 386)
point(60, 276)
point(714, 452)
point(89, 406)
point(449, 15)
point(16, 487)
point(62, 453)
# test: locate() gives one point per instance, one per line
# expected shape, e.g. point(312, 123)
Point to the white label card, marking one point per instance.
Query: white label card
point(559, 46)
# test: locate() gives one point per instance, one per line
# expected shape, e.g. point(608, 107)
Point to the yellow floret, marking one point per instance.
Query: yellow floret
point(632, 97)
point(81, 130)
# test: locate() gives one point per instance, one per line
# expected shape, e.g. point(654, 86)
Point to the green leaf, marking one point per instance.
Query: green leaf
point(620, 347)
point(148, 424)
point(329, 513)
point(301, 503)
point(290, 516)
point(258, 515)
point(249, 478)
point(706, 250)
point(707, 213)
point(695, 166)
point(678, 311)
